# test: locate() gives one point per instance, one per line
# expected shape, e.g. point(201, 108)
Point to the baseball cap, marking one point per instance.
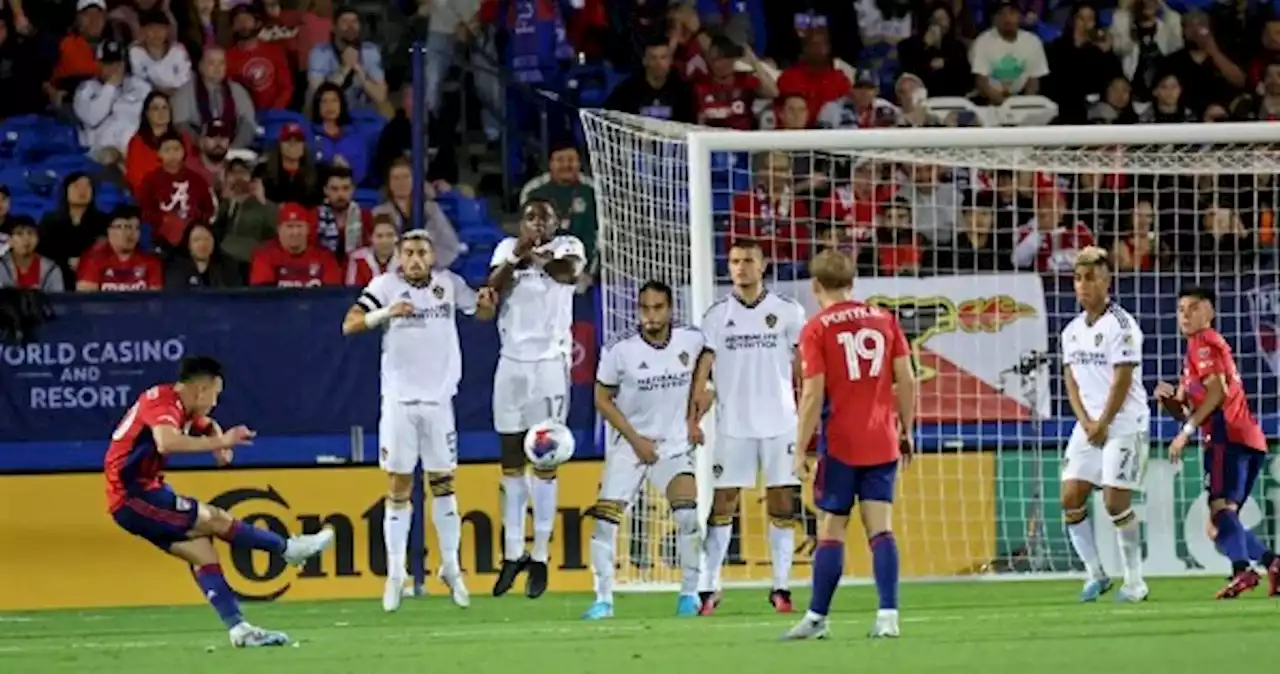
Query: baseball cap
point(292, 131)
point(111, 51)
point(294, 212)
point(866, 78)
point(86, 4)
point(217, 128)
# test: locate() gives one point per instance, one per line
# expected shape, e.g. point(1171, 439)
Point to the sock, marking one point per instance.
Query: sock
point(444, 515)
point(1231, 538)
point(397, 517)
point(828, 566)
point(715, 548)
point(687, 545)
point(544, 514)
point(214, 585)
point(515, 500)
point(1129, 535)
point(1081, 535)
point(884, 566)
point(782, 550)
point(604, 537)
point(242, 535)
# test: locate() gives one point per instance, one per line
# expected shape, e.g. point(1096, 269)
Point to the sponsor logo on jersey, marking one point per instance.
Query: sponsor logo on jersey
point(684, 357)
point(1097, 339)
point(438, 291)
point(770, 321)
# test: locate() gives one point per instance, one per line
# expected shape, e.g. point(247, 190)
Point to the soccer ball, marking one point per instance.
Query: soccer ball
point(548, 444)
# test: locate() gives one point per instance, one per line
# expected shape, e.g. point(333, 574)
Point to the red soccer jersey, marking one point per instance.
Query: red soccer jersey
point(272, 265)
point(263, 69)
point(781, 227)
point(859, 211)
point(1057, 248)
point(854, 345)
point(115, 273)
point(28, 278)
point(726, 104)
point(132, 463)
point(1209, 354)
point(818, 86)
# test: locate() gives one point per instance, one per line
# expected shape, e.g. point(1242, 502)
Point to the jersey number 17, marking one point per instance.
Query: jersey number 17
point(864, 353)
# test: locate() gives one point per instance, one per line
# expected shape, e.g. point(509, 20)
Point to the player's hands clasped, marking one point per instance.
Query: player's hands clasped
point(1096, 432)
point(1165, 390)
point(401, 309)
point(645, 450)
point(486, 298)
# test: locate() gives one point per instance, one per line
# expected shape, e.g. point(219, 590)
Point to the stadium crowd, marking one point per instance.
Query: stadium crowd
point(175, 144)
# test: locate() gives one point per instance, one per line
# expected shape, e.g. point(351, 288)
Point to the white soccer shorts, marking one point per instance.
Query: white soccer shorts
point(624, 474)
point(1121, 462)
point(526, 393)
point(739, 461)
point(409, 432)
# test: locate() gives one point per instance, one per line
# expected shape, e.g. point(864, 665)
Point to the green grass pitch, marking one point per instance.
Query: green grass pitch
point(1024, 627)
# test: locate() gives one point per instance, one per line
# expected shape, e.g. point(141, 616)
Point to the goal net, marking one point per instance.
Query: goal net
point(969, 236)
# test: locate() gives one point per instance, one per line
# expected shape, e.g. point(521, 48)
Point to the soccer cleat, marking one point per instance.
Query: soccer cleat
point(1273, 578)
point(536, 582)
point(1132, 594)
point(245, 635)
point(809, 627)
point(1094, 588)
point(392, 593)
point(710, 602)
point(886, 625)
point(687, 605)
point(511, 568)
point(600, 610)
point(301, 548)
point(1243, 582)
point(457, 589)
point(781, 601)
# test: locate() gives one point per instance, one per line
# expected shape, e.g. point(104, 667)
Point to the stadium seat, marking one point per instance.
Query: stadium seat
point(368, 197)
point(270, 122)
point(942, 106)
point(1027, 111)
point(31, 205)
point(1047, 32)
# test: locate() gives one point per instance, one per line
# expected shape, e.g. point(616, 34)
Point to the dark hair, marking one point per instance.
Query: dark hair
point(170, 136)
point(746, 244)
point(343, 11)
point(1199, 293)
point(344, 113)
point(339, 172)
point(126, 212)
point(656, 39)
point(538, 200)
point(194, 367)
point(658, 287)
point(144, 127)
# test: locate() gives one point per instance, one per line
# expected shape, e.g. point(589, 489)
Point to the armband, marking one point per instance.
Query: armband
point(1188, 429)
point(375, 319)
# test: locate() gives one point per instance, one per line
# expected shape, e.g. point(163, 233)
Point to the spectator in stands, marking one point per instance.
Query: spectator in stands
point(1268, 52)
point(74, 226)
point(862, 108)
point(690, 44)
point(815, 76)
point(211, 96)
point(1006, 60)
point(399, 208)
point(1116, 106)
point(883, 24)
point(1050, 241)
point(119, 266)
point(396, 142)
point(289, 260)
point(1224, 242)
point(1266, 106)
point(245, 218)
point(379, 257)
point(23, 73)
point(352, 64)
point(143, 153)
point(803, 18)
point(20, 266)
point(572, 193)
point(314, 21)
point(289, 172)
point(336, 141)
point(281, 27)
point(110, 106)
point(174, 196)
point(657, 91)
point(932, 201)
point(726, 97)
point(936, 54)
point(262, 68)
point(899, 250)
point(1214, 113)
point(207, 26)
point(78, 51)
point(790, 112)
point(124, 20)
point(910, 94)
point(1013, 207)
point(197, 263)
point(1207, 74)
point(1082, 64)
point(452, 25)
point(771, 214)
point(210, 160)
point(1143, 33)
point(1135, 247)
point(1166, 104)
point(979, 246)
point(341, 224)
point(855, 204)
point(158, 59)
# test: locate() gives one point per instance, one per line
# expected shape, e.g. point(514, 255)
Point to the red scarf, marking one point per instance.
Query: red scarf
point(228, 112)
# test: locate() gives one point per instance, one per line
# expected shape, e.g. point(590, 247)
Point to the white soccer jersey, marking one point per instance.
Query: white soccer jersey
point(755, 348)
point(653, 381)
point(421, 355)
point(536, 318)
point(1093, 351)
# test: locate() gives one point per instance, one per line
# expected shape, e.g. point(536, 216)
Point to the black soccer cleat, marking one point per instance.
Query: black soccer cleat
point(536, 582)
point(507, 576)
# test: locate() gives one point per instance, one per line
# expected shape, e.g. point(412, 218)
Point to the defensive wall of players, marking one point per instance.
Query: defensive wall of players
point(314, 398)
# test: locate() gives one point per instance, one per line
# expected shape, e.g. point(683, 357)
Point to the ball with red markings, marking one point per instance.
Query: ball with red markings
point(548, 444)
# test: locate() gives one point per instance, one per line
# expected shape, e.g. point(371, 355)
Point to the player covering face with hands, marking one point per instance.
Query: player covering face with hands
point(1210, 399)
point(174, 419)
point(856, 355)
point(415, 308)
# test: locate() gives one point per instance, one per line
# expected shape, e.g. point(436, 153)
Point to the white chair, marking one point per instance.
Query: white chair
point(1027, 111)
point(944, 106)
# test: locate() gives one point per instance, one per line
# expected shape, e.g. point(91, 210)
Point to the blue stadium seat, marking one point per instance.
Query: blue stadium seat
point(463, 211)
point(48, 140)
point(31, 205)
point(474, 268)
point(107, 196)
point(272, 120)
point(1047, 32)
point(368, 198)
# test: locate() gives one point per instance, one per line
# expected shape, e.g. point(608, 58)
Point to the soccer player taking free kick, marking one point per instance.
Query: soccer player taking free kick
point(856, 355)
point(174, 419)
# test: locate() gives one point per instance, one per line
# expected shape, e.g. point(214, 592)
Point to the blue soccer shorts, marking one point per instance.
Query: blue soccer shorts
point(1230, 471)
point(158, 516)
point(837, 486)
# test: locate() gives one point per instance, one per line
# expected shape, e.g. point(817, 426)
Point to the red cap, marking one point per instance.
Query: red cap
point(291, 212)
point(217, 128)
point(292, 131)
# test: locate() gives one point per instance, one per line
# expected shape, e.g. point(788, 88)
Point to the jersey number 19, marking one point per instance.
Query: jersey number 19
point(866, 346)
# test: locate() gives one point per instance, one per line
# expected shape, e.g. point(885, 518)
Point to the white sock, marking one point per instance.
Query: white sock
point(1130, 539)
point(444, 514)
point(544, 515)
point(714, 548)
point(397, 517)
point(515, 502)
point(604, 537)
point(782, 550)
point(1081, 535)
point(687, 545)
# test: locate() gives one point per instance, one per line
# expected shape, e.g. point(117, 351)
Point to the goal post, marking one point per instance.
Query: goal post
point(982, 500)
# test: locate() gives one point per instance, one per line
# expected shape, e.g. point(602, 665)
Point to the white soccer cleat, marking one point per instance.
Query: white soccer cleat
point(810, 627)
point(304, 547)
point(886, 625)
point(457, 589)
point(245, 635)
point(392, 593)
point(1132, 593)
